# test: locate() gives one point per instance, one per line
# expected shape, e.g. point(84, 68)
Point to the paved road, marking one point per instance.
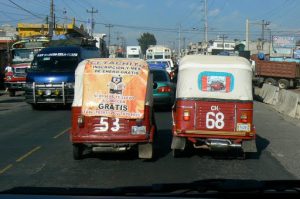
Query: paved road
point(36, 152)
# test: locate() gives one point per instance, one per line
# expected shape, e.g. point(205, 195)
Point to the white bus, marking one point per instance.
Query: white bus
point(158, 52)
point(134, 52)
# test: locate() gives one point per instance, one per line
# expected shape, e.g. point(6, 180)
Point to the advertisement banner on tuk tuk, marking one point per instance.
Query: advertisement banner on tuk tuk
point(115, 88)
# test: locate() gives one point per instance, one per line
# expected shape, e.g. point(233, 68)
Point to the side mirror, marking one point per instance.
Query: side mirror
point(155, 85)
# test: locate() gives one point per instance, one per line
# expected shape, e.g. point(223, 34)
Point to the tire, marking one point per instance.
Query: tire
point(77, 151)
point(12, 93)
point(283, 84)
point(271, 81)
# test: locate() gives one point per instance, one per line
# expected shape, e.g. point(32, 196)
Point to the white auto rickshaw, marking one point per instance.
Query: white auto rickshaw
point(214, 104)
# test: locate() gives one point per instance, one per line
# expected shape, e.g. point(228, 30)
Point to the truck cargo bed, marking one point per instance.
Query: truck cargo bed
point(289, 70)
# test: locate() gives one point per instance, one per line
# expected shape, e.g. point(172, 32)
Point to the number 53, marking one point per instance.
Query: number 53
point(105, 126)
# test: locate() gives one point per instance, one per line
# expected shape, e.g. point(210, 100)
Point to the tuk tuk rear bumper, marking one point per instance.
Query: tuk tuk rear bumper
point(113, 139)
point(215, 134)
point(215, 140)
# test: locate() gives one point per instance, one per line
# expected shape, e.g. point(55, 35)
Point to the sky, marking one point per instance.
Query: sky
point(164, 18)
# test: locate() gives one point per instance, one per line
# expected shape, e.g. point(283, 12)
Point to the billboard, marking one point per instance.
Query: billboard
point(283, 45)
point(284, 42)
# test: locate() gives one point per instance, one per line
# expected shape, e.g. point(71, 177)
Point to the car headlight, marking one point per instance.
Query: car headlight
point(69, 85)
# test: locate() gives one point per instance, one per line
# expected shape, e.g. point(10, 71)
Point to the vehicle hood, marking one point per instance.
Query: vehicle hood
point(50, 77)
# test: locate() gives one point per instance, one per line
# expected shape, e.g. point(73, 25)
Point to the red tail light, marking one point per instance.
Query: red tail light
point(164, 89)
point(186, 115)
point(244, 118)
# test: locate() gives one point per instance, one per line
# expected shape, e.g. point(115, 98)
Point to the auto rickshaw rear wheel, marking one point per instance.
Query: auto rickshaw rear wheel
point(77, 151)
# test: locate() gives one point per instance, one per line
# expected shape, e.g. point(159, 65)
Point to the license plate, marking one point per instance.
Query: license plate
point(243, 127)
point(50, 100)
point(138, 130)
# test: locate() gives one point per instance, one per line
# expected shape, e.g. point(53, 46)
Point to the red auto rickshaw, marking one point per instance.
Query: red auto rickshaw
point(214, 104)
point(112, 108)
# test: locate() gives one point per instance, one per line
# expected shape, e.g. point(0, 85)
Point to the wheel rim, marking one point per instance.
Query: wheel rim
point(281, 85)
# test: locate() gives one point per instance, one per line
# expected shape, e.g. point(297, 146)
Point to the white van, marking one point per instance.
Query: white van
point(134, 52)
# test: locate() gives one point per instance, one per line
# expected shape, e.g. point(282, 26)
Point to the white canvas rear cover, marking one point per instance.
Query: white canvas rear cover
point(114, 88)
point(214, 77)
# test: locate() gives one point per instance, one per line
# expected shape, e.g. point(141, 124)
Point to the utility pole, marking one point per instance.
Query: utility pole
point(109, 26)
point(51, 21)
point(247, 33)
point(179, 40)
point(92, 19)
point(263, 25)
point(184, 48)
point(205, 21)
point(223, 39)
point(65, 22)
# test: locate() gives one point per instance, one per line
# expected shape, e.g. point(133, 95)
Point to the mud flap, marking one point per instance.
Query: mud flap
point(249, 146)
point(145, 151)
point(178, 143)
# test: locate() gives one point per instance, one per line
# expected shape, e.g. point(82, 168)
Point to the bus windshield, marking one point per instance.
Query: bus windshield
point(65, 62)
point(22, 55)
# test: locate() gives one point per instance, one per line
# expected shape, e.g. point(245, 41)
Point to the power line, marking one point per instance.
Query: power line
point(92, 12)
point(24, 9)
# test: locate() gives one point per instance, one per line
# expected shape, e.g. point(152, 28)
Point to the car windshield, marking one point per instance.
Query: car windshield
point(47, 62)
point(159, 76)
point(98, 94)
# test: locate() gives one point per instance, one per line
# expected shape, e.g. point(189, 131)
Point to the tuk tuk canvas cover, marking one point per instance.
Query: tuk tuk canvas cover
point(115, 88)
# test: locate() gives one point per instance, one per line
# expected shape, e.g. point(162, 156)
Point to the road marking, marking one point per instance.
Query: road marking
point(61, 133)
point(28, 154)
point(5, 168)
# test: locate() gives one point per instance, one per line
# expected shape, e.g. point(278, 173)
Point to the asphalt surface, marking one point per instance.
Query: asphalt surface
point(36, 152)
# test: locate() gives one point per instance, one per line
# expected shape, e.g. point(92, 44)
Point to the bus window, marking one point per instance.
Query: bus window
point(158, 56)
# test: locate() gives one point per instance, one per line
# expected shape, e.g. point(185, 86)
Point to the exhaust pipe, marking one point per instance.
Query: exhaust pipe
point(218, 145)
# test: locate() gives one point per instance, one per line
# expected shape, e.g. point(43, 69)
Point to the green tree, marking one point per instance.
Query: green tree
point(145, 40)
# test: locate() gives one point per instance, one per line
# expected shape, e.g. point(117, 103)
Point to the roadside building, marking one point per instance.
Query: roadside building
point(30, 30)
